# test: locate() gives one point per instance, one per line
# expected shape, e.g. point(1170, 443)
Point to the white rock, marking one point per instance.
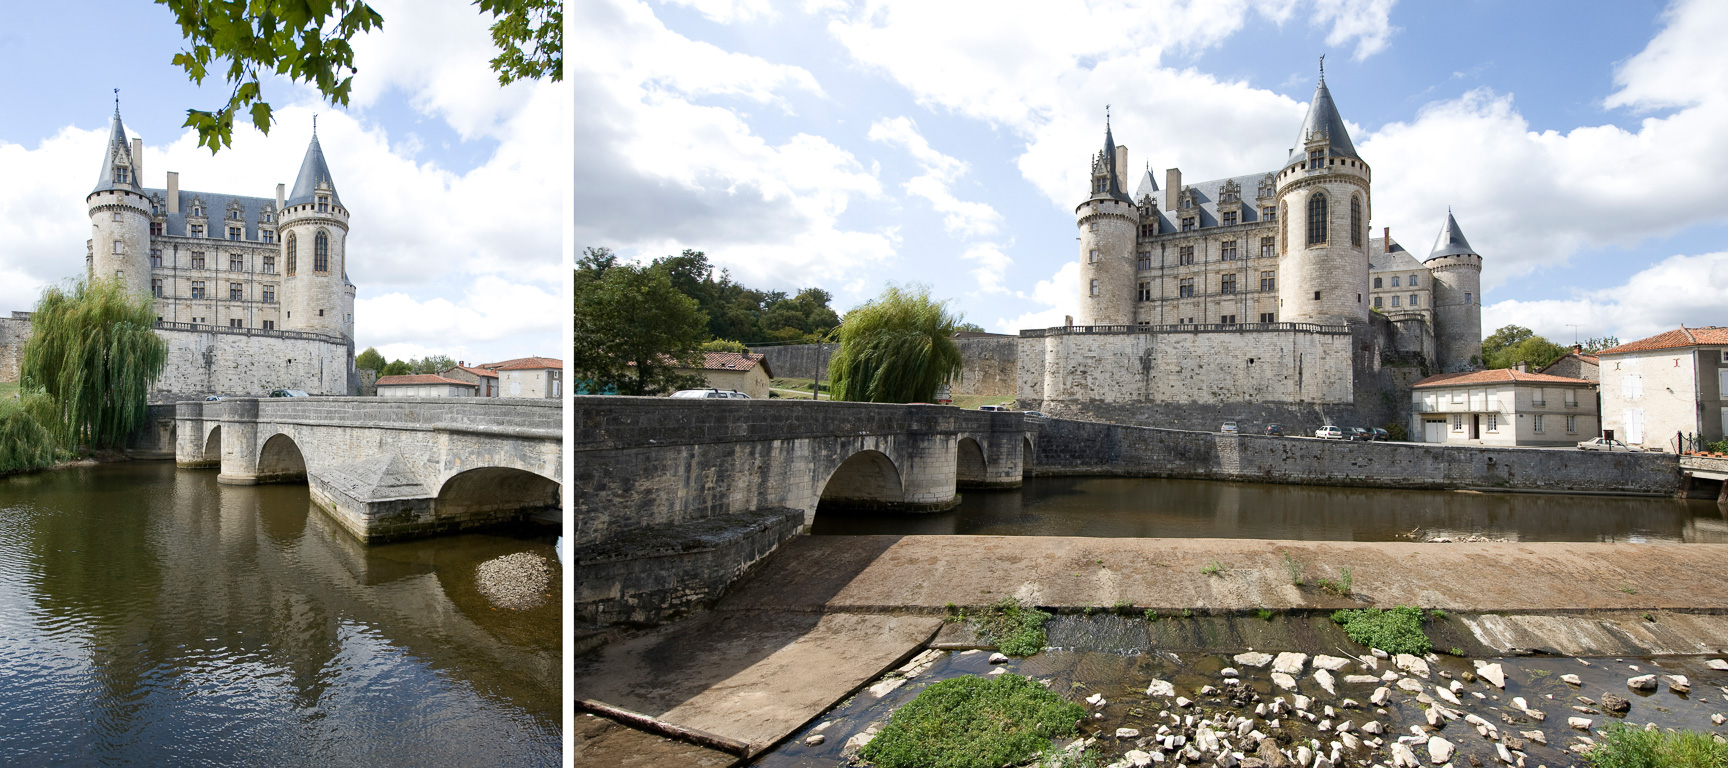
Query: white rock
point(1717, 718)
point(1182, 702)
point(1718, 664)
point(1325, 679)
point(1388, 676)
point(1284, 681)
point(1137, 758)
point(998, 658)
point(1642, 683)
point(1379, 654)
point(1127, 733)
point(811, 741)
point(1581, 723)
point(1345, 727)
point(997, 671)
point(1330, 663)
point(1492, 673)
point(1096, 699)
point(1289, 663)
point(1229, 672)
point(1536, 736)
point(1303, 702)
point(1679, 684)
point(1518, 701)
point(1161, 688)
point(1456, 686)
point(1360, 679)
point(1410, 684)
point(1439, 750)
point(1373, 727)
point(1402, 757)
point(1304, 755)
point(1381, 695)
point(1255, 660)
point(1411, 664)
point(1573, 679)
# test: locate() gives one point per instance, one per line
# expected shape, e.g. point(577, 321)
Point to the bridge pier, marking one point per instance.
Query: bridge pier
point(239, 422)
point(191, 437)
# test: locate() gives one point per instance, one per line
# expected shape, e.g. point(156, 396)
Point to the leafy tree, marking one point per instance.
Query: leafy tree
point(633, 330)
point(723, 345)
point(898, 348)
point(1515, 344)
point(369, 360)
point(396, 368)
point(432, 364)
point(308, 41)
point(1592, 346)
point(970, 328)
point(594, 263)
point(1506, 336)
point(94, 351)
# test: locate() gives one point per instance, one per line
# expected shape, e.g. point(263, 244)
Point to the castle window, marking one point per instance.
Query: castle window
point(1228, 284)
point(267, 217)
point(1188, 223)
point(234, 322)
point(1229, 218)
point(1092, 258)
point(1268, 281)
point(1094, 287)
point(1185, 255)
point(116, 216)
point(1466, 297)
point(236, 263)
point(1266, 251)
point(236, 291)
point(1314, 158)
point(269, 325)
point(1377, 301)
point(1227, 251)
point(1316, 295)
point(234, 214)
point(120, 174)
point(1227, 320)
point(1376, 282)
point(117, 246)
point(1145, 291)
point(291, 247)
point(1149, 229)
point(156, 287)
point(269, 267)
point(1412, 281)
point(268, 294)
point(266, 236)
point(197, 230)
point(1394, 281)
point(1145, 260)
point(1092, 226)
point(1317, 219)
point(1185, 287)
point(155, 257)
point(155, 229)
point(196, 211)
point(323, 204)
point(1394, 300)
point(1413, 299)
point(197, 289)
point(320, 313)
point(197, 259)
point(235, 233)
point(1268, 317)
point(1269, 213)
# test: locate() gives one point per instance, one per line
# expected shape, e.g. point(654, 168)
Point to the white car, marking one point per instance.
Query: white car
point(710, 394)
point(1604, 444)
point(994, 408)
point(1329, 432)
point(1229, 428)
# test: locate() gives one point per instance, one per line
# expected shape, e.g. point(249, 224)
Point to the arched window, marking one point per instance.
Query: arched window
point(321, 252)
point(1283, 228)
point(1356, 220)
point(1316, 219)
point(291, 248)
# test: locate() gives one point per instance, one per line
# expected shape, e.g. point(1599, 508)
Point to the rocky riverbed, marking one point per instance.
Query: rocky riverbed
point(518, 581)
point(1346, 706)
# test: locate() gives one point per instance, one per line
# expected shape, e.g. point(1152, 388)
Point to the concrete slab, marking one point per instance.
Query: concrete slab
point(752, 676)
point(865, 574)
point(601, 743)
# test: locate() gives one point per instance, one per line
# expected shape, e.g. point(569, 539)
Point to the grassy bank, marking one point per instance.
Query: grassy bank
point(974, 722)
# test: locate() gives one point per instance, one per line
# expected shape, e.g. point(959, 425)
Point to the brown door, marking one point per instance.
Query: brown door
point(1475, 426)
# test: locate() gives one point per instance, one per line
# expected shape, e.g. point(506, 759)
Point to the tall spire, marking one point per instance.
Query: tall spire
point(1451, 241)
point(119, 168)
point(313, 172)
point(1323, 120)
point(1108, 159)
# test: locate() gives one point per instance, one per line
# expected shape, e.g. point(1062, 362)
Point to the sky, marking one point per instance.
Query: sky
point(453, 183)
point(848, 144)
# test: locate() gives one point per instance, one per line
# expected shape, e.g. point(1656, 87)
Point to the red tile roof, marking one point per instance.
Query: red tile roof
point(526, 364)
point(733, 361)
point(476, 370)
point(1680, 337)
point(1497, 376)
point(419, 378)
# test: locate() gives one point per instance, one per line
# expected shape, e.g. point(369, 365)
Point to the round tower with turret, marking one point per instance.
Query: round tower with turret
point(314, 236)
point(1323, 211)
point(1108, 221)
point(120, 215)
point(1457, 270)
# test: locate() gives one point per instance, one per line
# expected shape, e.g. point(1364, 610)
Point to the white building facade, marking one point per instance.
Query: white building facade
point(1671, 384)
point(1503, 407)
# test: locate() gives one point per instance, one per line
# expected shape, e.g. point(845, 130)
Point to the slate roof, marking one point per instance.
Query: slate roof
point(1323, 119)
point(1451, 241)
point(1497, 376)
point(1399, 260)
point(419, 378)
point(313, 169)
point(215, 206)
point(118, 147)
point(1681, 337)
point(1206, 194)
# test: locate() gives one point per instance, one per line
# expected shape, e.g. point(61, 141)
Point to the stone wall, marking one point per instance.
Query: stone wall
point(987, 363)
point(220, 361)
point(14, 332)
point(1067, 447)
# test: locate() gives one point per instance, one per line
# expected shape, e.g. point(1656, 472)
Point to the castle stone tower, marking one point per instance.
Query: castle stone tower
point(1457, 270)
point(1107, 222)
point(120, 214)
point(1323, 211)
point(314, 233)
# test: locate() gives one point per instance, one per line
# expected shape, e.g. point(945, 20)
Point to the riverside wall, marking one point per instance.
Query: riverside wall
point(1066, 447)
point(987, 368)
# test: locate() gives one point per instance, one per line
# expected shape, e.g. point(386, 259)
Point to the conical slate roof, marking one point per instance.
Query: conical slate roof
point(118, 151)
point(1148, 186)
point(1115, 173)
point(313, 171)
point(1451, 241)
point(1323, 120)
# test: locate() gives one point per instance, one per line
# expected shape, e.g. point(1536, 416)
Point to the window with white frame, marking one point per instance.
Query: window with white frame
point(1457, 419)
point(1413, 300)
point(1536, 423)
point(1493, 422)
point(1457, 395)
point(1394, 281)
point(1571, 425)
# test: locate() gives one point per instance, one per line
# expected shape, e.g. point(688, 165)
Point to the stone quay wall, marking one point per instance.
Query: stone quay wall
point(1066, 447)
point(987, 363)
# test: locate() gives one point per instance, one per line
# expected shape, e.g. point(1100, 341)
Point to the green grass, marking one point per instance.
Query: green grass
point(1294, 568)
point(1265, 614)
point(1621, 747)
point(974, 722)
point(1015, 629)
point(1394, 630)
point(1213, 568)
point(1340, 585)
point(1628, 589)
point(1124, 607)
point(1151, 615)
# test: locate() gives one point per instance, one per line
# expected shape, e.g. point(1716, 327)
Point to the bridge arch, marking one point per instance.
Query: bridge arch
point(867, 479)
point(1027, 452)
point(280, 461)
point(505, 493)
point(213, 444)
point(971, 468)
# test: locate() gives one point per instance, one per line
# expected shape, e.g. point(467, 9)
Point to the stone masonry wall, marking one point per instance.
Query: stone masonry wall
point(14, 332)
point(220, 363)
point(988, 363)
point(1084, 448)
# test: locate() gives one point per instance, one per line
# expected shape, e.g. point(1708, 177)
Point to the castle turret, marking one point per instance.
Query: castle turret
point(314, 234)
point(1107, 222)
point(1457, 270)
point(120, 214)
point(1323, 211)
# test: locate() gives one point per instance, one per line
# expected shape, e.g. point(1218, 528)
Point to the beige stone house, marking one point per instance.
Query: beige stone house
point(1675, 382)
point(1575, 365)
point(484, 379)
point(424, 385)
point(1503, 407)
point(747, 372)
point(537, 377)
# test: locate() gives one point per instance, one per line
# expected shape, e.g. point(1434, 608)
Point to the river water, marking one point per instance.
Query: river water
point(150, 616)
point(1142, 507)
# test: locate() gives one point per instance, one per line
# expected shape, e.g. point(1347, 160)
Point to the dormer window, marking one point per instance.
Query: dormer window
point(323, 204)
point(196, 211)
point(120, 174)
point(1316, 158)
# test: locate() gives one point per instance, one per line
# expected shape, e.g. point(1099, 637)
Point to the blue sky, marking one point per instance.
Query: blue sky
point(1583, 146)
point(454, 182)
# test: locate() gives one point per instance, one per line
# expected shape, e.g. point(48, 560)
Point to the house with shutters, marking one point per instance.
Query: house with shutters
point(1673, 383)
point(1503, 406)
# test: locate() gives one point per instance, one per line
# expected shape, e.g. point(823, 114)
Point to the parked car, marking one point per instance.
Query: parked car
point(214, 398)
point(1361, 434)
point(1275, 430)
point(710, 394)
point(1329, 432)
point(1604, 444)
point(288, 393)
point(994, 408)
point(1035, 414)
point(1382, 435)
point(1229, 428)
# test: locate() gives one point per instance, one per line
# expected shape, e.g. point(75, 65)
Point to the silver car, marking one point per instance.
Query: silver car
point(710, 394)
point(1604, 444)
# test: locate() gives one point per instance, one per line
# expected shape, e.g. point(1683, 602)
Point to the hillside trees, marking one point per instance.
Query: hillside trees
point(1513, 344)
point(633, 328)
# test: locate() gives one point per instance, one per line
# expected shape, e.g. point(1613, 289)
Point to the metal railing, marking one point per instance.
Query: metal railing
point(1073, 330)
point(207, 328)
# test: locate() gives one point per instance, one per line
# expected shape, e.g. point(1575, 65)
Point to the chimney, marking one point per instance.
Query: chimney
point(138, 161)
point(1521, 367)
point(1386, 239)
point(1122, 168)
point(281, 199)
point(1067, 321)
point(173, 192)
point(1172, 185)
point(1577, 349)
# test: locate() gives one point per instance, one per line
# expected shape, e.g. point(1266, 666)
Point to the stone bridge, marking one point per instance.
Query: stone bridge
point(1705, 474)
point(674, 499)
point(386, 469)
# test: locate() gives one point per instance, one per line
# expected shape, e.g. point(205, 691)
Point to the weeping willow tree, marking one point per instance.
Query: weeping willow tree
point(93, 352)
point(898, 348)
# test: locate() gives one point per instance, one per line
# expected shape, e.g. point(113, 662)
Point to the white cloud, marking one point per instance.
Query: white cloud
point(1676, 290)
point(992, 266)
point(728, 11)
point(490, 310)
point(1059, 296)
point(960, 217)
